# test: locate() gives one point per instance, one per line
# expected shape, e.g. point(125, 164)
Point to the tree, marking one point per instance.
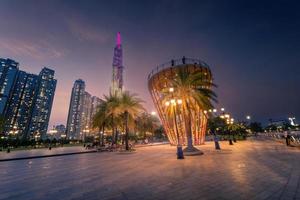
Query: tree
point(216, 124)
point(113, 104)
point(101, 120)
point(237, 129)
point(194, 89)
point(159, 132)
point(146, 123)
point(129, 107)
point(255, 127)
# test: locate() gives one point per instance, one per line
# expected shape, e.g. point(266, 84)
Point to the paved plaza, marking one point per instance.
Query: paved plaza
point(253, 169)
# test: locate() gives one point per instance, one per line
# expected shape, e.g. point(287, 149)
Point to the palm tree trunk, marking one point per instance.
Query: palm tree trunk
point(99, 136)
point(189, 135)
point(113, 130)
point(176, 127)
point(102, 135)
point(126, 131)
point(116, 136)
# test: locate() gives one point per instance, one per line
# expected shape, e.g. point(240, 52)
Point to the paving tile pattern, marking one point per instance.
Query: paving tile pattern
point(253, 169)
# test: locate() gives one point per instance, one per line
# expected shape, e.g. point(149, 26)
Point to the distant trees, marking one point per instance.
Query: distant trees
point(218, 125)
point(255, 127)
point(146, 123)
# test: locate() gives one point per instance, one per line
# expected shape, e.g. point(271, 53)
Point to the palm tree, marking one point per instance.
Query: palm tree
point(113, 104)
point(101, 120)
point(129, 106)
point(194, 90)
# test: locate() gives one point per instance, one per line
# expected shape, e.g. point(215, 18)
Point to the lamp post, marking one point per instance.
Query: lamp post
point(216, 139)
point(63, 138)
point(85, 132)
point(173, 104)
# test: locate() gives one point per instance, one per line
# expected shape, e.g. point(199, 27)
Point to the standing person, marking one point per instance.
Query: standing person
point(286, 138)
point(217, 145)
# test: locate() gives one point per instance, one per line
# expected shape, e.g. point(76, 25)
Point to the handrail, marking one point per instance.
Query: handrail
point(176, 62)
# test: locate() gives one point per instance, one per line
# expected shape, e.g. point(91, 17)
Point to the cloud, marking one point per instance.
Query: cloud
point(39, 49)
point(85, 32)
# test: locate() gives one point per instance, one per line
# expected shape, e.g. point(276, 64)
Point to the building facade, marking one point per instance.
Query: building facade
point(43, 103)
point(96, 101)
point(117, 73)
point(83, 107)
point(26, 101)
point(8, 73)
point(75, 110)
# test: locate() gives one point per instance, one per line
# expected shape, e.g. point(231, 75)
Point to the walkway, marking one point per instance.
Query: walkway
point(252, 169)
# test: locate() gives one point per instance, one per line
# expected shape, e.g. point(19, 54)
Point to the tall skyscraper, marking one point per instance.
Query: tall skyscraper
point(86, 113)
point(75, 110)
point(117, 73)
point(8, 74)
point(83, 107)
point(26, 100)
point(19, 112)
point(96, 101)
point(43, 103)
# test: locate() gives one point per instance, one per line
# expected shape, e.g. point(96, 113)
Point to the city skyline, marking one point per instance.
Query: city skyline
point(248, 55)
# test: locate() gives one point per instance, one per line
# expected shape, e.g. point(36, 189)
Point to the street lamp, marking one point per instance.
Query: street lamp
point(173, 102)
point(153, 113)
point(248, 117)
point(173, 106)
point(85, 132)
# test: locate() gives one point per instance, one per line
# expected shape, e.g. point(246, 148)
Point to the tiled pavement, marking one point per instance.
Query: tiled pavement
point(253, 169)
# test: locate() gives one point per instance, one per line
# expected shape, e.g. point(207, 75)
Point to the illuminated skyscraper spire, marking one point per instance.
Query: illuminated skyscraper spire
point(117, 74)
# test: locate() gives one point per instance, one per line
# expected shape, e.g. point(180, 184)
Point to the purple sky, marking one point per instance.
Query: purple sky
point(253, 48)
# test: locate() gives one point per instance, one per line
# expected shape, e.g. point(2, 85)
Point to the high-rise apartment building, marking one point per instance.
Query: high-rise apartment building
point(26, 100)
point(75, 110)
point(43, 102)
point(96, 101)
point(8, 73)
point(83, 107)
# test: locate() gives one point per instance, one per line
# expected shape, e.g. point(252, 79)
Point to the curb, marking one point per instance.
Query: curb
point(46, 156)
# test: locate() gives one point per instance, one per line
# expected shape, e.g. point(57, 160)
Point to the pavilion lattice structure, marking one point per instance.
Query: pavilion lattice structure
point(171, 116)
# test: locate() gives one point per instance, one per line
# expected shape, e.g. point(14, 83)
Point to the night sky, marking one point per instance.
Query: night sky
point(253, 47)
